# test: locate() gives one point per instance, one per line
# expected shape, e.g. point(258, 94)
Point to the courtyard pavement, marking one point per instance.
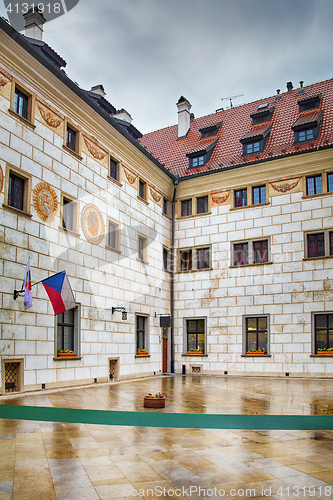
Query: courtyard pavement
point(67, 461)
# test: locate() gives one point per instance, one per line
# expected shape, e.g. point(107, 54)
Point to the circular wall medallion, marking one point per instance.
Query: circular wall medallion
point(1, 179)
point(45, 201)
point(92, 224)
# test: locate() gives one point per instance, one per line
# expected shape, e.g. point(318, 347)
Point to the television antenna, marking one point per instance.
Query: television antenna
point(231, 97)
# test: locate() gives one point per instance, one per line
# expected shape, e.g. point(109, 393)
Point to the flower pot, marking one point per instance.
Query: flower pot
point(153, 402)
point(195, 352)
point(325, 353)
point(145, 353)
point(66, 354)
point(255, 353)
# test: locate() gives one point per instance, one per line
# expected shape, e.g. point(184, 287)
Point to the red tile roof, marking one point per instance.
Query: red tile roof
point(237, 123)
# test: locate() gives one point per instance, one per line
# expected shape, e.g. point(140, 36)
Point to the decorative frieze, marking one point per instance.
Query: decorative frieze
point(94, 148)
point(49, 114)
point(130, 175)
point(92, 224)
point(285, 185)
point(45, 201)
point(156, 195)
point(4, 78)
point(220, 197)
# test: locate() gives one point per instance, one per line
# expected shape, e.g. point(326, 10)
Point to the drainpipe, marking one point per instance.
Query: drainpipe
point(172, 287)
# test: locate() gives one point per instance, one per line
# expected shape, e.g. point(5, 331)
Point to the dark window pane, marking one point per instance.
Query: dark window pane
point(259, 195)
point(331, 243)
point(71, 138)
point(202, 204)
point(165, 259)
point(329, 183)
point(314, 185)
point(256, 334)
point(166, 206)
point(65, 330)
point(16, 191)
point(203, 255)
point(68, 215)
point(241, 198)
point(260, 251)
point(186, 208)
point(251, 323)
point(112, 235)
point(323, 331)
point(186, 260)
point(141, 247)
point(316, 245)
point(21, 104)
point(113, 169)
point(196, 334)
point(240, 254)
point(262, 323)
point(142, 189)
point(141, 332)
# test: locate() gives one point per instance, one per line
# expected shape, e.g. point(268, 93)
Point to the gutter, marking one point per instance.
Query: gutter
point(172, 265)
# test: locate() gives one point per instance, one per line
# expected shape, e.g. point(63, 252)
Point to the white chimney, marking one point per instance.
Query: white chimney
point(124, 115)
point(184, 117)
point(98, 89)
point(34, 22)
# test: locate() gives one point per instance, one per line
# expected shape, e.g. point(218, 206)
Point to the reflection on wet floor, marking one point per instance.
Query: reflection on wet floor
point(42, 460)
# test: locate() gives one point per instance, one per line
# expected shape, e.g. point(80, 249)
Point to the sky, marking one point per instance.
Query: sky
point(147, 53)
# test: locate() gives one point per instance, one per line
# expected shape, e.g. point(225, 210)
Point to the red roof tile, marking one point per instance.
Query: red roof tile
point(170, 151)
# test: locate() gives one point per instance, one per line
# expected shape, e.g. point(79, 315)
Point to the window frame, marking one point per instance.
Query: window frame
point(193, 261)
point(324, 183)
point(26, 202)
point(238, 190)
point(314, 348)
point(193, 200)
point(245, 317)
point(76, 334)
point(186, 333)
point(117, 246)
point(327, 232)
point(144, 238)
point(75, 202)
point(250, 252)
point(31, 103)
point(145, 344)
point(166, 259)
point(144, 183)
point(78, 139)
point(117, 179)
point(196, 204)
point(166, 208)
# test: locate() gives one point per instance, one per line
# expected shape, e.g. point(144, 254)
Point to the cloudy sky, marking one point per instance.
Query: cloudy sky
point(147, 53)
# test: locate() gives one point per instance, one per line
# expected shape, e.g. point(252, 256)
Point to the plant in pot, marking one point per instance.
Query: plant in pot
point(325, 351)
point(154, 400)
point(66, 353)
point(256, 352)
point(195, 351)
point(141, 352)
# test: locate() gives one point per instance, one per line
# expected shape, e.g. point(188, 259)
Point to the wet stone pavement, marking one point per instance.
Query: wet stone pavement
point(48, 461)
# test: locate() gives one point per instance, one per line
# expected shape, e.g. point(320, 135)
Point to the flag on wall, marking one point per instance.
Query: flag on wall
point(27, 302)
point(60, 292)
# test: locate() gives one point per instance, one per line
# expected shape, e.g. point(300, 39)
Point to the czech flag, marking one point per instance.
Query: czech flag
point(60, 292)
point(27, 302)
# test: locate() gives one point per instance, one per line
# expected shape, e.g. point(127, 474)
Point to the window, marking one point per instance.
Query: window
point(202, 204)
point(195, 259)
point(319, 244)
point(308, 104)
point(314, 185)
point(69, 214)
point(323, 332)
point(255, 334)
point(250, 252)
point(18, 189)
point(141, 333)
point(186, 208)
point(21, 102)
point(72, 139)
point(67, 334)
point(114, 169)
point(259, 195)
point(306, 135)
point(210, 131)
point(195, 335)
point(329, 183)
point(197, 161)
point(142, 194)
point(241, 198)
point(142, 248)
point(166, 259)
point(113, 235)
point(166, 207)
point(252, 147)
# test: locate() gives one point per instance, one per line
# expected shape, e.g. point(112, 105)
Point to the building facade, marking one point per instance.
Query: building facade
point(222, 223)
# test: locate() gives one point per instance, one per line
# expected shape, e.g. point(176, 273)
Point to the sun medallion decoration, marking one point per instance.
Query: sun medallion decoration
point(45, 201)
point(92, 224)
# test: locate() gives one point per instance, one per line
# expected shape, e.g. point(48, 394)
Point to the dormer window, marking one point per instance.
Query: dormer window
point(256, 139)
point(200, 157)
point(263, 115)
point(197, 161)
point(252, 147)
point(210, 131)
point(309, 104)
point(306, 127)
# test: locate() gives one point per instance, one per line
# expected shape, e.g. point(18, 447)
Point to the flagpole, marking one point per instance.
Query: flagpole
point(17, 292)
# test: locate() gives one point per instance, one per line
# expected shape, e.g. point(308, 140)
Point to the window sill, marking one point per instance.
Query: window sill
point(55, 358)
point(16, 211)
point(182, 217)
point(167, 216)
point(115, 181)
point(23, 120)
point(194, 354)
point(69, 231)
point(143, 200)
point(321, 355)
point(250, 265)
point(195, 270)
point(318, 195)
point(256, 355)
point(251, 206)
point(115, 250)
point(142, 261)
point(74, 153)
point(317, 258)
point(142, 355)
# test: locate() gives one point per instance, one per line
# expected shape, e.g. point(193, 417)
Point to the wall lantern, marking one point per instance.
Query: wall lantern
point(123, 312)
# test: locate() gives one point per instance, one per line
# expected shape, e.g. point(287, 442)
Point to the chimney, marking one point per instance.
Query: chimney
point(301, 90)
point(278, 97)
point(98, 89)
point(124, 115)
point(184, 117)
point(34, 22)
point(289, 87)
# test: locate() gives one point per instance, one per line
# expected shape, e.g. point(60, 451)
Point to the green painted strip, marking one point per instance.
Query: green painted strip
point(160, 419)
